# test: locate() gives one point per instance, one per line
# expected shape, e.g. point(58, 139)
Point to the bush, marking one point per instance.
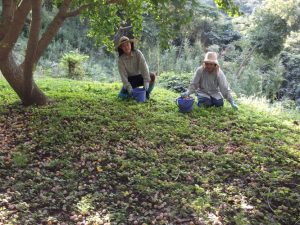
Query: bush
point(72, 63)
point(178, 82)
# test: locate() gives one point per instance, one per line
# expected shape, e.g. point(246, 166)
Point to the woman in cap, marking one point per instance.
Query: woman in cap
point(210, 84)
point(133, 69)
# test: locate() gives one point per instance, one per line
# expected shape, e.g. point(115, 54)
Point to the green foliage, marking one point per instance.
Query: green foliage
point(85, 205)
point(133, 13)
point(78, 40)
point(271, 25)
point(250, 82)
point(102, 69)
point(20, 159)
point(290, 58)
point(68, 38)
point(229, 7)
point(247, 6)
point(272, 78)
point(96, 158)
point(157, 20)
point(179, 59)
point(175, 81)
point(102, 29)
point(170, 18)
point(288, 10)
point(72, 63)
point(260, 77)
point(268, 34)
point(289, 104)
point(292, 43)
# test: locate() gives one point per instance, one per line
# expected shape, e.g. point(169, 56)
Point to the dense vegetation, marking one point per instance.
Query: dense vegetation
point(89, 158)
point(256, 62)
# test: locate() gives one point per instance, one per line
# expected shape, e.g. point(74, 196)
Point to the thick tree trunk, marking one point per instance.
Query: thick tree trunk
point(31, 49)
point(13, 17)
point(15, 77)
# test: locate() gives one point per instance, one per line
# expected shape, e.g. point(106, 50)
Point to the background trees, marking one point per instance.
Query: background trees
point(104, 17)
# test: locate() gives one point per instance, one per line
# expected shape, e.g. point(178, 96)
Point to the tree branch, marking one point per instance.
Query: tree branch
point(245, 61)
point(31, 46)
point(15, 27)
point(78, 11)
point(8, 10)
point(83, 7)
point(52, 29)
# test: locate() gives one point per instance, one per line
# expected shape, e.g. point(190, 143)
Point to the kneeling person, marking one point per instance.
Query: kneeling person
point(210, 84)
point(133, 69)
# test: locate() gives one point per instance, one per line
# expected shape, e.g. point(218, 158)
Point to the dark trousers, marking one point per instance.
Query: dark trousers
point(136, 81)
point(203, 101)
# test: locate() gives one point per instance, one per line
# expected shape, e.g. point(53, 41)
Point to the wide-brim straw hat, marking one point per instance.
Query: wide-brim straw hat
point(211, 57)
point(123, 40)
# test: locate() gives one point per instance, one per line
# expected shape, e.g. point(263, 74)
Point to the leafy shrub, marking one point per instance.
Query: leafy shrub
point(72, 63)
point(175, 81)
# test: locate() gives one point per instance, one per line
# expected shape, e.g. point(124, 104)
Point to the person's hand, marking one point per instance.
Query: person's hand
point(185, 94)
point(129, 90)
point(234, 105)
point(146, 86)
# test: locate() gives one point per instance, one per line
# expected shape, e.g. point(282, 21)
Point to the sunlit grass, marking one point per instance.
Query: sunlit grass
point(91, 157)
point(263, 105)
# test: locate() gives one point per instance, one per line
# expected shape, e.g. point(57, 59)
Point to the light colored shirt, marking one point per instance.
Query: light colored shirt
point(208, 85)
point(133, 65)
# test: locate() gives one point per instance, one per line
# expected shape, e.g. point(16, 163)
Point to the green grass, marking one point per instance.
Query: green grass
point(92, 157)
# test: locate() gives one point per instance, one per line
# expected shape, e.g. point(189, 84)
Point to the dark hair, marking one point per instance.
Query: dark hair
point(120, 51)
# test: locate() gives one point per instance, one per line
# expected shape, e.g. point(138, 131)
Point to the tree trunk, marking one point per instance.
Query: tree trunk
point(15, 77)
point(31, 49)
point(245, 61)
point(12, 19)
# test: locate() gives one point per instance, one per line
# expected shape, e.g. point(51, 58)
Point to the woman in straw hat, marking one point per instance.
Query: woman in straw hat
point(210, 84)
point(133, 69)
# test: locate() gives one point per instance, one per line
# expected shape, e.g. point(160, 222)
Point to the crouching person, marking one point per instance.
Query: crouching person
point(210, 84)
point(133, 69)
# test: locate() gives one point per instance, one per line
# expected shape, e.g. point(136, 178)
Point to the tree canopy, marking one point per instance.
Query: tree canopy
point(272, 25)
point(105, 18)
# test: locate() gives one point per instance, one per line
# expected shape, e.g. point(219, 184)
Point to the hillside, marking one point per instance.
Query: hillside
point(89, 158)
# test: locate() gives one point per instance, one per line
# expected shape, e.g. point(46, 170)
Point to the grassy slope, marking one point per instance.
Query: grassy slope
point(91, 157)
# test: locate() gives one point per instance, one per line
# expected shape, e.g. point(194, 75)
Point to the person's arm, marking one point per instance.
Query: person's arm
point(194, 85)
point(124, 76)
point(225, 89)
point(143, 68)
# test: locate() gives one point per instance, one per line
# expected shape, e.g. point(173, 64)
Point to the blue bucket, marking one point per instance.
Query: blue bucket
point(139, 94)
point(185, 104)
